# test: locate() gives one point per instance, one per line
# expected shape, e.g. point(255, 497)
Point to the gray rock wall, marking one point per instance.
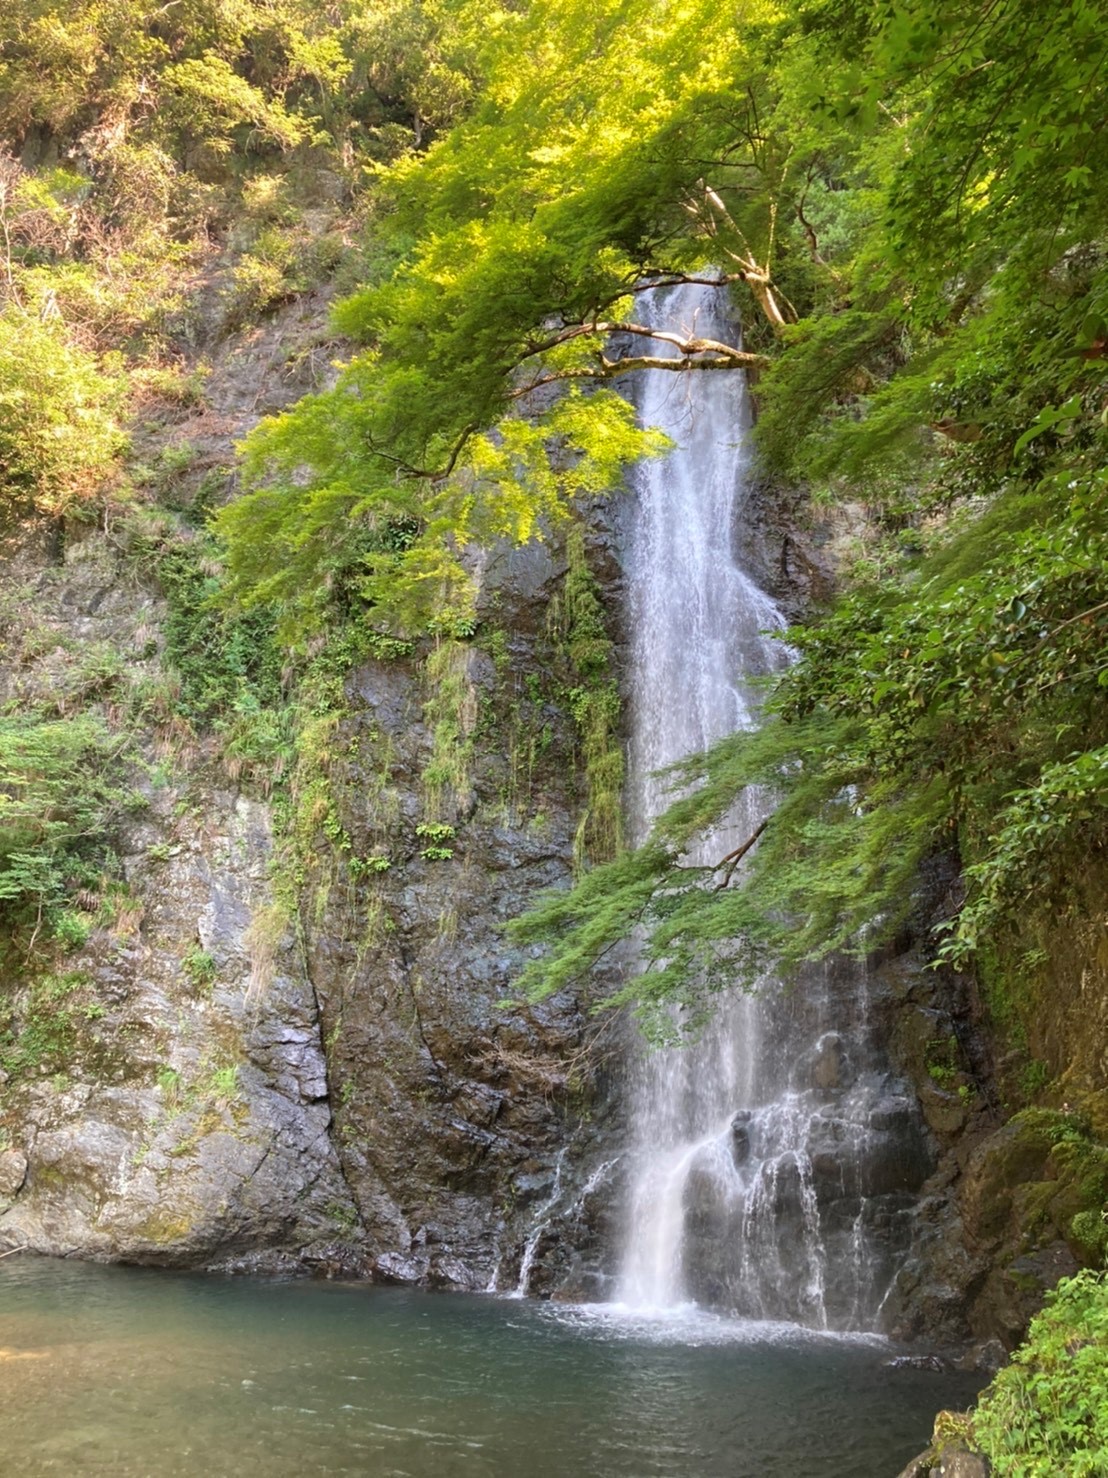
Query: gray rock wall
point(354, 1099)
point(176, 1109)
point(451, 1108)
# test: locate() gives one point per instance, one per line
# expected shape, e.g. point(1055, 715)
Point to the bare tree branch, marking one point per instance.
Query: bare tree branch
point(713, 213)
point(733, 859)
point(610, 369)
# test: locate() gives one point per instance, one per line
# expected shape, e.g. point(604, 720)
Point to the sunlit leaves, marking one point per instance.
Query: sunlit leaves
point(59, 437)
point(922, 181)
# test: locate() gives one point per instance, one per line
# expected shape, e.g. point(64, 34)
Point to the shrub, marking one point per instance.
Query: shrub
point(57, 799)
point(1047, 1412)
point(58, 436)
point(200, 967)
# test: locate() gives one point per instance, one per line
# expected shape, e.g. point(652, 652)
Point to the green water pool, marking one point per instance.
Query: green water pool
point(132, 1372)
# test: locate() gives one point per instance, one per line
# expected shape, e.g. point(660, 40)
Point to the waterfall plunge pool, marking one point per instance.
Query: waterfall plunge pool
point(131, 1373)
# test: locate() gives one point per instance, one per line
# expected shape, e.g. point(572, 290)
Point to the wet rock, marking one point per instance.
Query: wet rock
point(790, 548)
point(198, 1120)
point(986, 1356)
point(919, 1362)
point(946, 1112)
point(829, 1062)
point(919, 1467)
point(575, 1258)
point(518, 582)
point(395, 1267)
point(935, 1286)
point(1006, 1160)
point(740, 1137)
point(336, 1260)
point(896, 1116)
point(452, 1111)
point(959, 1462)
point(1014, 1291)
point(450, 1272)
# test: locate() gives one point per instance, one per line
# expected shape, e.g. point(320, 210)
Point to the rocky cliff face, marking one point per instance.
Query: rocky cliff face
point(194, 1084)
point(157, 1105)
point(163, 1090)
point(454, 1111)
point(359, 1099)
point(1015, 1123)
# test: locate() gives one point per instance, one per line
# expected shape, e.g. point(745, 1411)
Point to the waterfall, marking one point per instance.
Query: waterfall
point(772, 1160)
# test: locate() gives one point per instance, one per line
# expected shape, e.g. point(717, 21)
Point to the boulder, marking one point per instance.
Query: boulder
point(13, 1172)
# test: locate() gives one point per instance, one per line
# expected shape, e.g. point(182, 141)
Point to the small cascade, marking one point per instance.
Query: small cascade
point(773, 1159)
point(543, 1217)
point(493, 1285)
point(596, 1180)
point(557, 1225)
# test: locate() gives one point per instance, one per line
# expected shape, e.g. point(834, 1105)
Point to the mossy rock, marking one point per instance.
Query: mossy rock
point(1088, 1235)
point(1006, 1162)
point(1033, 1205)
point(166, 1228)
point(1094, 1106)
point(1030, 1182)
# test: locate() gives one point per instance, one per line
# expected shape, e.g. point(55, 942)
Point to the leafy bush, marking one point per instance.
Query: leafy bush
point(58, 433)
point(200, 967)
point(1046, 1413)
point(227, 663)
point(72, 929)
point(267, 276)
point(57, 803)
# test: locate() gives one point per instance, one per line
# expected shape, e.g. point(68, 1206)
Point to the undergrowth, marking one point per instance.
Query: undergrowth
point(1046, 1413)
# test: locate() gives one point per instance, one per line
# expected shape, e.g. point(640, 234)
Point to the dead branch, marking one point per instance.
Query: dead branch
point(773, 303)
point(809, 232)
point(609, 369)
point(732, 860)
point(603, 328)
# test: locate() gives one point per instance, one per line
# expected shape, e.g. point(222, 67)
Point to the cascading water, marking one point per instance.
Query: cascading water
point(539, 1226)
point(772, 1159)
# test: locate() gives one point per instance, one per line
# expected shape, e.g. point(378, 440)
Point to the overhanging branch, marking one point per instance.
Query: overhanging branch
point(693, 353)
point(732, 860)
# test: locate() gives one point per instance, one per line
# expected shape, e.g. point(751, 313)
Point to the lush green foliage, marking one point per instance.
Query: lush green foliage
point(183, 129)
point(290, 544)
point(176, 121)
point(58, 433)
point(545, 207)
point(957, 700)
point(228, 665)
point(1047, 1411)
point(219, 76)
point(58, 793)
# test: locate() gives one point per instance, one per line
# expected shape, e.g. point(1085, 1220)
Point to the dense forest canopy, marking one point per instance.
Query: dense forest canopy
point(907, 201)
